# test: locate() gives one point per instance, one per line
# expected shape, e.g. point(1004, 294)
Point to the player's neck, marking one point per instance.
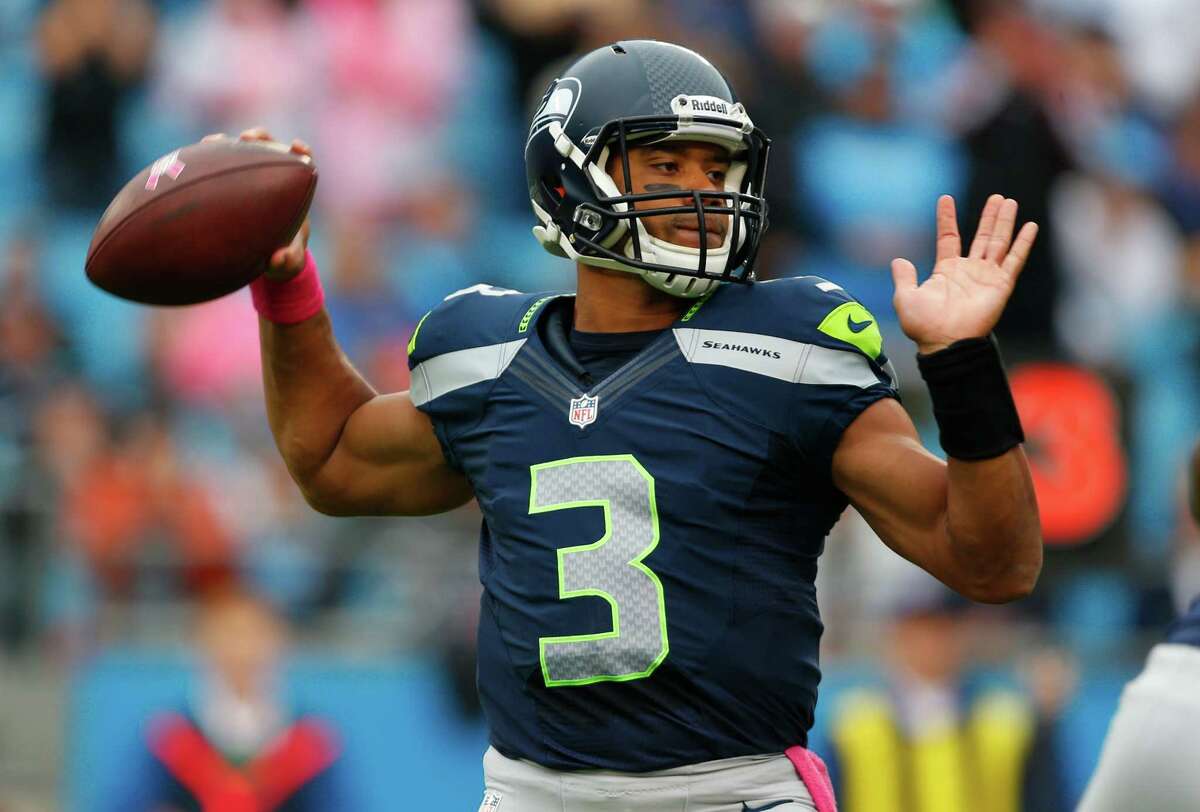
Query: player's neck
point(619, 302)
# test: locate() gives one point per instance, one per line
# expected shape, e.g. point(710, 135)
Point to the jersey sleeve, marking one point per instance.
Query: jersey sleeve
point(459, 349)
point(844, 370)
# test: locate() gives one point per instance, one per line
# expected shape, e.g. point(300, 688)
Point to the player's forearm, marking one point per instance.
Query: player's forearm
point(311, 391)
point(993, 534)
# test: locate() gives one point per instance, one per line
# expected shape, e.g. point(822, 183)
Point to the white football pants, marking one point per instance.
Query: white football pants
point(1151, 756)
point(730, 785)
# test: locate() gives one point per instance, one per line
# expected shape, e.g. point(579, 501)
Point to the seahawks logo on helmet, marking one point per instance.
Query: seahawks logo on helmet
point(557, 105)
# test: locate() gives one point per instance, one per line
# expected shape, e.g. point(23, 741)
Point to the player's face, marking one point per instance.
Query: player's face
point(242, 642)
point(683, 166)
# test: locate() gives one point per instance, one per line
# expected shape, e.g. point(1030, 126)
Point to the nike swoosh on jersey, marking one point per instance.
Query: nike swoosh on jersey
point(857, 326)
point(748, 808)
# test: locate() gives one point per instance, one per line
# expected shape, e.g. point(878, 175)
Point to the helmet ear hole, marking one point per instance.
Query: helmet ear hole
point(553, 189)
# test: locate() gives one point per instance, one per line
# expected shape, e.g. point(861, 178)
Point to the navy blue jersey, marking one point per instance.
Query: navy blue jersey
point(1187, 628)
point(650, 542)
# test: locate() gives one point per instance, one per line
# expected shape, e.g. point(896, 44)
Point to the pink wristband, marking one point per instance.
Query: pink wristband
point(290, 301)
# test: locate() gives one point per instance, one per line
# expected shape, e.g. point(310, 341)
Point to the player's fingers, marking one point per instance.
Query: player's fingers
point(904, 276)
point(255, 134)
point(1015, 261)
point(289, 260)
point(1006, 220)
point(949, 244)
point(987, 221)
point(301, 148)
point(212, 137)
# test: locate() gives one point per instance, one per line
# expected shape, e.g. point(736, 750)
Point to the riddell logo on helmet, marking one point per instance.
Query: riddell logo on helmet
point(709, 106)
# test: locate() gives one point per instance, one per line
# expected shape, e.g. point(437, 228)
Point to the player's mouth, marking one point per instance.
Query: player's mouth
point(685, 230)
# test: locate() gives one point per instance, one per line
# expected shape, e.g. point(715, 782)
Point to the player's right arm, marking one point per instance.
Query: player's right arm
point(351, 450)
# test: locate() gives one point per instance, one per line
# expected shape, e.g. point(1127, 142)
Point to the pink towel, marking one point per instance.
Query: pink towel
point(815, 775)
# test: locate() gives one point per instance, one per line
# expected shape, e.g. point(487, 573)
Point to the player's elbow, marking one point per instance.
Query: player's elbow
point(324, 494)
point(1012, 584)
point(325, 503)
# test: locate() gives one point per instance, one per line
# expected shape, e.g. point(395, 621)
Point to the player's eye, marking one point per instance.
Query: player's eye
point(665, 166)
point(717, 176)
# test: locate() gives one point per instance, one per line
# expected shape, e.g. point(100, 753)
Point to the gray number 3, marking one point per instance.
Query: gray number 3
point(610, 568)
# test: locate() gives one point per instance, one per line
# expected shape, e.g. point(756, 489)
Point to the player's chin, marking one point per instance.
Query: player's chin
point(690, 238)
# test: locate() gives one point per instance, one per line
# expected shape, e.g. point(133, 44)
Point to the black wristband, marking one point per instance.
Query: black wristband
point(973, 406)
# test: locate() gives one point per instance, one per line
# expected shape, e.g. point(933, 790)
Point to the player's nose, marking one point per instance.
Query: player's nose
point(698, 178)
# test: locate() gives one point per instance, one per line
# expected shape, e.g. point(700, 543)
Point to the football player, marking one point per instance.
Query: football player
point(1150, 754)
point(659, 457)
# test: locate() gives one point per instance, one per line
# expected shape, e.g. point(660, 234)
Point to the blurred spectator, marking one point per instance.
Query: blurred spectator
point(931, 739)
point(390, 72)
point(236, 744)
point(1121, 262)
point(1179, 186)
point(142, 522)
point(539, 34)
point(869, 171)
point(1160, 47)
point(1120, 254)
point(92, 53)
point(1163, 360)
point(1051, 678)
point(233, 64)
point(998, 101)
point(782, 35)
point(33, 358)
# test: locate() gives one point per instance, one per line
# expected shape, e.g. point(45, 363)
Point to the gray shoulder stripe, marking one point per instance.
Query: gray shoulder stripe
point(442, 374)
point(779, 358)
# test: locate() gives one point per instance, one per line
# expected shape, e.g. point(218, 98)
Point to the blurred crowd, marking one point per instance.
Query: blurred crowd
point(136, 469)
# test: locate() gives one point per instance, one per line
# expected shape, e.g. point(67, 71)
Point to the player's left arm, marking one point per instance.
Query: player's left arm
point(971, 521)
point(973, 525)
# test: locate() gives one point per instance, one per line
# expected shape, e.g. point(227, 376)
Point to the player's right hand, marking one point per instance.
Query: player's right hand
point(288, 260)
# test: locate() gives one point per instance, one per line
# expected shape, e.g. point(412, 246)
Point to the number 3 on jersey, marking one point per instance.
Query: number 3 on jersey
point(610, 568)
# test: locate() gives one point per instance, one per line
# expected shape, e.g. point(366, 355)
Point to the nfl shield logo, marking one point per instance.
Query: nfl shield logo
point(582, 411)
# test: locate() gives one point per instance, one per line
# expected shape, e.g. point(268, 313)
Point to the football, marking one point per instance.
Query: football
point(201, 221)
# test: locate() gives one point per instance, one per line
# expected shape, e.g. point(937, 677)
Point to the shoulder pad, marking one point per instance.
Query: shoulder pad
point(478, 316)
point(808, 309)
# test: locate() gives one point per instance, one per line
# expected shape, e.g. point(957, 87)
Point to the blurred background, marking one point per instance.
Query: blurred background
point(158, 569)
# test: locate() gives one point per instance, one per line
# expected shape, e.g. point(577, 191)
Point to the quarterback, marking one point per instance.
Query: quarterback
point(659, 456)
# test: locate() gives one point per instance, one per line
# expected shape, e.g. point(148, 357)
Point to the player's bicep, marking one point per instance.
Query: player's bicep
point(389, 461)
point(897, 485)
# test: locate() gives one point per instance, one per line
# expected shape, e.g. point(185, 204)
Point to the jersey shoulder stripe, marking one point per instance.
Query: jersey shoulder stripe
point(443, 374)
point(470, 338)
point(780, 358)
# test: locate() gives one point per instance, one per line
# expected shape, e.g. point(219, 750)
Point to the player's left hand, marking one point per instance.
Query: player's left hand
point(965, 295)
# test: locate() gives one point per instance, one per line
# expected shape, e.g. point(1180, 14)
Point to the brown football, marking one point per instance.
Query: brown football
point(201, 222)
